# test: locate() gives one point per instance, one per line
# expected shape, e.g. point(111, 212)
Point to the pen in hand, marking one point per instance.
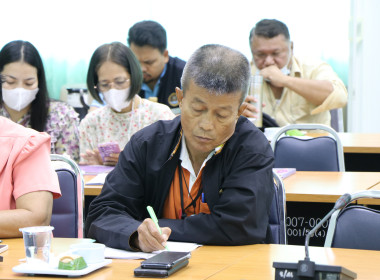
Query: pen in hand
point(154, 219)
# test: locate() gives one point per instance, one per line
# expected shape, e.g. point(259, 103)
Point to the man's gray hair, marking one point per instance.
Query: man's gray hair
point(219, 69)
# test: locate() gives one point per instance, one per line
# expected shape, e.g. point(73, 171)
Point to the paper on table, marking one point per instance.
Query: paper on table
point(95, 169)
point(112, 253)
point(98, 179)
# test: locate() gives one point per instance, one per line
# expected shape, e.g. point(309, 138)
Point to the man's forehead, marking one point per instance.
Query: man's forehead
point(146, 52)
point(260, 42)
point(203, 96)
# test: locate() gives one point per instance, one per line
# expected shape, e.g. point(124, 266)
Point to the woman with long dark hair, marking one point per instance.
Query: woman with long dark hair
point(25, 99)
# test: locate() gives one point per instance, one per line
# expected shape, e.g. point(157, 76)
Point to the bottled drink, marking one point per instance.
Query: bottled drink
point(255, 90)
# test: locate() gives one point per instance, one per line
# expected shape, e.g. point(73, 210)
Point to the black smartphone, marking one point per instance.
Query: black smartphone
point(165, 260)
point(159, 273)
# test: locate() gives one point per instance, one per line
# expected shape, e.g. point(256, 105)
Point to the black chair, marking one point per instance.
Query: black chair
point(278, 212)
point(356, 226)
point(67, 215)
point(323, 153)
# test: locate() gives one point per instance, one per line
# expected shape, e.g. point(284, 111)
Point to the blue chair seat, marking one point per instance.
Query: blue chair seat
point(323, 153)
point(67, 214)
point(65, 209)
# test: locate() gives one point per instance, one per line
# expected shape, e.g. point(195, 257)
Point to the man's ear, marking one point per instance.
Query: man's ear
point(166, 56)
point(179, 93)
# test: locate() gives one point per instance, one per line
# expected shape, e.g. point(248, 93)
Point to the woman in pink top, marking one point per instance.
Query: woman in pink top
point(28, 183)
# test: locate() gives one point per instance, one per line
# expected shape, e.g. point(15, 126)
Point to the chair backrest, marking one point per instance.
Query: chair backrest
point(337, 122)
point(67, 216)
point(355, 227)
point(323, 153)
point(278, 212)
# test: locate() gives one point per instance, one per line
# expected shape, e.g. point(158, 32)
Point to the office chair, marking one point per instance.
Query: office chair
point(323, 153)
point(278, 212)
point(337, 122)
point(355, 227)
point(67, 216)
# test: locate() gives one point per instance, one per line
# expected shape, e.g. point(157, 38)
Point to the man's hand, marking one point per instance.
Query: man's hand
point(273, 75)
point(149, 238)
point(251, 110)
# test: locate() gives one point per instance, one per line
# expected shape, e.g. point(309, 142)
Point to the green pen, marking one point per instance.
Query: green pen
point(154, 219)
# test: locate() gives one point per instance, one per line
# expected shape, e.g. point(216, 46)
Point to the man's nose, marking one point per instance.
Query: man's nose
point(206, 123)
point(143, 67)
point(269, 60)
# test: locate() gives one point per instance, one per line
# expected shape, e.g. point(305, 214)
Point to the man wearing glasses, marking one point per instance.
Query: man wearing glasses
point(294, 91)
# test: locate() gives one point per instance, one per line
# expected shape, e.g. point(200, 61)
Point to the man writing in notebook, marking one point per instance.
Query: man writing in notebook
point(207, 173)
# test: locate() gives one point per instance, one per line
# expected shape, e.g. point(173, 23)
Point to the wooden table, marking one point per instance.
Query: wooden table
point(368, 143)
point(311, 195)
point(361, 150)
point(317, 186)
point(214, 262)
point(258, 265)
point(89, 189)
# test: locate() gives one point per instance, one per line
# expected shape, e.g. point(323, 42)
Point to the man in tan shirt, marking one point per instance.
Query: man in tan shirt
point(294, 90)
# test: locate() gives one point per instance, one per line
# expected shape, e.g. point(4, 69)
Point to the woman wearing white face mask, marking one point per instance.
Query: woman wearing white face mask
point(25, 99)
point(115, 72)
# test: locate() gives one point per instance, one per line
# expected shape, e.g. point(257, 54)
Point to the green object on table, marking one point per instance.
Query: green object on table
point(295, 132)
point(72, 263)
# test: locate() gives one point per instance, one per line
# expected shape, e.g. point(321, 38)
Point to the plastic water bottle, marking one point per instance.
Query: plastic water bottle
point(256, 91)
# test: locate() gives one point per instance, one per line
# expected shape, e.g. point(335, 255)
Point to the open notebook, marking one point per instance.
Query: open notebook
point(112, 253)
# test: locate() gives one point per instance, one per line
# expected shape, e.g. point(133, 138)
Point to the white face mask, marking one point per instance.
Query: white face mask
point(18, 98)
point(285, 70)
point(117, 98)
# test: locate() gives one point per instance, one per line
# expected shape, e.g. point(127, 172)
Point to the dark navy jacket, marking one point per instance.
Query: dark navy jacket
point(237, 184)
point(171, 80)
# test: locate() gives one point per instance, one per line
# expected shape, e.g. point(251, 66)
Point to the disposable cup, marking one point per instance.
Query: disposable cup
point(37, 241)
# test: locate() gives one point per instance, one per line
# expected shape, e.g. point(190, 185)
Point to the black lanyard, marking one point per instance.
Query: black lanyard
point(193, 201)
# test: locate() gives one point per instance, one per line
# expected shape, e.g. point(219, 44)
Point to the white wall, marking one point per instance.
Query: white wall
point(67, 32)
point(363, 113)
point(73, 29)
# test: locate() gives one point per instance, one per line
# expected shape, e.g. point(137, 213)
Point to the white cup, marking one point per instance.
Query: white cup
point(37, 241)
point(91, 252)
